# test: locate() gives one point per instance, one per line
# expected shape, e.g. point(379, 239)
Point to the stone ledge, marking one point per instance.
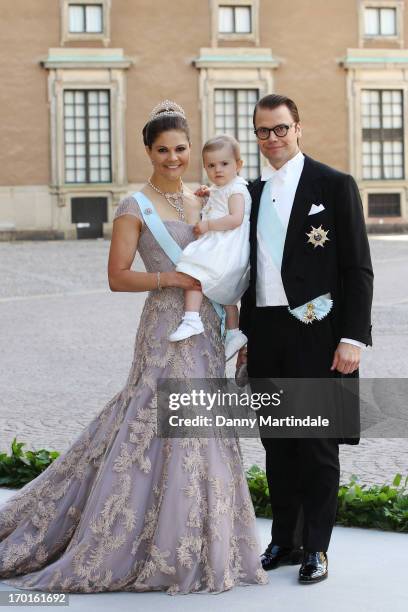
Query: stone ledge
point(387, 228)
point(12, 235)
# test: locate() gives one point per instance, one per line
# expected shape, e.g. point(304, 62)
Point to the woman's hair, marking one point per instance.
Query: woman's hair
point(221, 141)
point(164, 117)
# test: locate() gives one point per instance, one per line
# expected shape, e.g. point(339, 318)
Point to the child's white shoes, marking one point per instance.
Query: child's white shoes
point(234, 340)
point(191, 325)
point(188, 327)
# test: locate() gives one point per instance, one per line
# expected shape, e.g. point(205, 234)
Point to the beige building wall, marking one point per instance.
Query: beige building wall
point(163, 42)
point(150, 52)
point(310, 40)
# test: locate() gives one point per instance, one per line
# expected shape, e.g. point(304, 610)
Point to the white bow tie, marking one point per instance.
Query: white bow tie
point(268, 172)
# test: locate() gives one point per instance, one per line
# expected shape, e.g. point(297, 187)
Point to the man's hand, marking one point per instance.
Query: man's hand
point(346, 358)
point(200, 228)
point(242, 357)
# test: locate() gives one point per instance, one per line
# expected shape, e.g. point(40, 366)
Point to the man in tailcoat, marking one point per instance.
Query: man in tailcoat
point(306, 314)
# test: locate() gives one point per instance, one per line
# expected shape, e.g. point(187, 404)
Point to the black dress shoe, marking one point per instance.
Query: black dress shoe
point(314, 567)
point(275, 555)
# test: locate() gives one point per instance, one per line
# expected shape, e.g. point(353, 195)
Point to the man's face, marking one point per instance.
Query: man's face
point(278, 149)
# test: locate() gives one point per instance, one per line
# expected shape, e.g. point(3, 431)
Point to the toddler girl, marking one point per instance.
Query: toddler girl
point(219, 259)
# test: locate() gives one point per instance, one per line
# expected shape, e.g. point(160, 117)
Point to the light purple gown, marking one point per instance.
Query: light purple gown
point(125, 510)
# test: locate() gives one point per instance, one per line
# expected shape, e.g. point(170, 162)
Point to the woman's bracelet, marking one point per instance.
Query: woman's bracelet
point(158, 281)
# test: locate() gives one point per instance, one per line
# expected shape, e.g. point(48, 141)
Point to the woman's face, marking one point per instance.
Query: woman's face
point(170, 154)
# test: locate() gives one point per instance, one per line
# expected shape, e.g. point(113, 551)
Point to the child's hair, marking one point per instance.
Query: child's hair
point(218, 142)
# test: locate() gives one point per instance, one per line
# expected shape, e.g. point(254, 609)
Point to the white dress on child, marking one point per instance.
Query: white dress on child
point(220, 259)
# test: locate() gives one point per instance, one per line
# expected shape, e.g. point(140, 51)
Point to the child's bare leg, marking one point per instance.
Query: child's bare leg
point(231, 316)
point(192, 300)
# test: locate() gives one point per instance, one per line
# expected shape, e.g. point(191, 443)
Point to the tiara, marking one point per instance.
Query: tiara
point(167, 108)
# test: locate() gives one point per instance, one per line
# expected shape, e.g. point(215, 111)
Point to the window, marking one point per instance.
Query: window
point(383, 132)
point(85, 18)
point(234, 20)
point(380, 21)
point(384, 205)
point(87, 136)
point(233, 110)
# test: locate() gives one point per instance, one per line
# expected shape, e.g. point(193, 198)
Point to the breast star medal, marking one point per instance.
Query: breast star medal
point(318, 236)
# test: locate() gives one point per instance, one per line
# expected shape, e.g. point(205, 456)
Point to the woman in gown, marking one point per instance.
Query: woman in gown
point(122, 509)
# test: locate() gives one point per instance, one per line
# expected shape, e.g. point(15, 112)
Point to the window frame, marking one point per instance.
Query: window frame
point(385, 193)
point(67, 36)
point(398, 37)
point(382, 136)
point(83, 5)
point(235, 91)
point(233, 7)
point(87, 143)
point(223, 71)
point(387, 72)
point(379, 10)
point(251, 37)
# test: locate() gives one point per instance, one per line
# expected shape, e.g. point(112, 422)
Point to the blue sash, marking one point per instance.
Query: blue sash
point(167, 242)
point(157, 227)
point(273, 234)
point(270, 227)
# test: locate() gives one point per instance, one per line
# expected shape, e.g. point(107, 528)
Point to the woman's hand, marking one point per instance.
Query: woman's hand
point(179, 279)
point(242, 357)
point(203, 191)
point(200, 228)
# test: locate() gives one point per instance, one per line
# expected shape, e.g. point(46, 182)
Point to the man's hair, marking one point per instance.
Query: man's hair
point(221, 141)
point(273, 101)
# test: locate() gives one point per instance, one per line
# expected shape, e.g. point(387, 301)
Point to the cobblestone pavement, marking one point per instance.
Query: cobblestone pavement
point(67, 345)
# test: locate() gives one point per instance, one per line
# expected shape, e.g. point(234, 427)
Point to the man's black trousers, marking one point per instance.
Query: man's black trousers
point(303, 473)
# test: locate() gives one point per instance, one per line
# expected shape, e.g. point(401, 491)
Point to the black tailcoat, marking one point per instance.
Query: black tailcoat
point(342, 266)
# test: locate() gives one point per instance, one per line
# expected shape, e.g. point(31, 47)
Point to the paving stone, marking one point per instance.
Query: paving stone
point(67, 345)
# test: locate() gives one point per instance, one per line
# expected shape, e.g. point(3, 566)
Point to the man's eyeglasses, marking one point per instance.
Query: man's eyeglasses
point(281, 130)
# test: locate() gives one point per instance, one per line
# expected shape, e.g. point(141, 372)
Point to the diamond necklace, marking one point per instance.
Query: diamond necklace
point(174, 199)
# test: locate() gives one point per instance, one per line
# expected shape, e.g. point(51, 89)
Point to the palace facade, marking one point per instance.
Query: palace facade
point(80, 77)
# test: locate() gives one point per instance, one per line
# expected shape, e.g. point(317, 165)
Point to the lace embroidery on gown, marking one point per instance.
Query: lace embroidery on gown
point(125, 510)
